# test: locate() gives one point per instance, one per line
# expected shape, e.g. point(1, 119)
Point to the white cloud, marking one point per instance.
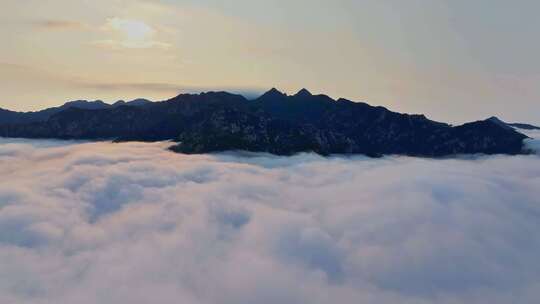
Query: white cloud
point(133, 223)
point(533, 142)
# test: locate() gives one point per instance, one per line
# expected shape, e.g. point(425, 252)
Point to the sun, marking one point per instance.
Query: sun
point(132, 33)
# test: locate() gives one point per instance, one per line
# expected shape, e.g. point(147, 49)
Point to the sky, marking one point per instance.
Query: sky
point(454, 60)
point(96, 222)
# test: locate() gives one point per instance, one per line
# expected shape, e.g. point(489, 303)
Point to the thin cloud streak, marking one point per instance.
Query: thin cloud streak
point(72, 87)
point(59, 25)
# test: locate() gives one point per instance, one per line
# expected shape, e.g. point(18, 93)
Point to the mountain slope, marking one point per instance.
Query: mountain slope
point(524, 126)
point(275, 123)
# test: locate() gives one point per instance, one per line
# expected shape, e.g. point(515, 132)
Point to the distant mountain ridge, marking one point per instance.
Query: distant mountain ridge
point(275, 122)
point(12, 117)
point(513, 125)
point(523, 126)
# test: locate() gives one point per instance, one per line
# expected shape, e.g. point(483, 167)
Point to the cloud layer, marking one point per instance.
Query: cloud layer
point(132, 223)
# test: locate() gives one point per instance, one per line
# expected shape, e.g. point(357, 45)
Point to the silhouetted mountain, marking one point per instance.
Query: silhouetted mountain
point(513, 125)
point(274, 123)
point(136, 102)
point(84, 104)
point(499, 122)
point(303, 93)
point(11, 117)
point(524, 126)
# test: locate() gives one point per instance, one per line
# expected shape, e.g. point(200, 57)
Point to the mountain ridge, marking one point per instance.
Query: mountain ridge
point(523, 126)
point(276, 123)
point(8, 116)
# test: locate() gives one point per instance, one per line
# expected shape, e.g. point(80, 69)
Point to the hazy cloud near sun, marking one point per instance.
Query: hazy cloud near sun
point(117, 33)
point(78, 218)
point(129, 34)
point(15, 76)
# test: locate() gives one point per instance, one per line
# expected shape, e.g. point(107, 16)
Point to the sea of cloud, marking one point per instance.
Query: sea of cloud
point(107, 223)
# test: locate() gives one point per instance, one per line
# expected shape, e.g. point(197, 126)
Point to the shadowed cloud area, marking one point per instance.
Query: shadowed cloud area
point(95, 222)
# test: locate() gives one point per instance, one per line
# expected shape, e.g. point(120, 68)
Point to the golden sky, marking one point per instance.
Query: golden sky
point(454, 60)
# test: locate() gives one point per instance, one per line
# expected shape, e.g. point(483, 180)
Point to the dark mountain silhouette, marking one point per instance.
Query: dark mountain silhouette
point(274, 123)
point(523, 126)
point(513, 125)
point(136, 102)
point(11, 117)
point(500, 123)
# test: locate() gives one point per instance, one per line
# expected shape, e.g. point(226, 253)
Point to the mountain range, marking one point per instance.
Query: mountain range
point(12, 117)
point(274, 122)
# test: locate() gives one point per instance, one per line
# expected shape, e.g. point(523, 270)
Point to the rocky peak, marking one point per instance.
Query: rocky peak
point(273, 93)
point(303, 93)
point(498, 122)
point(85, 104)
point(138, 102)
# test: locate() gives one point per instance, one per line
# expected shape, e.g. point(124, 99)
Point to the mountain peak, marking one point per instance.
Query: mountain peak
point(134, 102)
point(85, 104)
point(303, 93)
point(138, 102)
point(500, 123)
point(273, 93)
point(495, 119)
